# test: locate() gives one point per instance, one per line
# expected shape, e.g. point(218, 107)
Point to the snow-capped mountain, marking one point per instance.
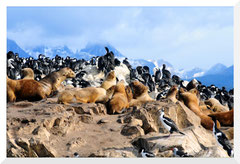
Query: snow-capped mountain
point(12, 46)
point(51, 51)
point(220, 79)
point(216, 69)
point(187, 74)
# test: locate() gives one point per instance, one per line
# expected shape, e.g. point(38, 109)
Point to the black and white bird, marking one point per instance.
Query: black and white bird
point(168, 123)
point(143, 148)
point(76, 155)
point(179, 153)
point(221, 138)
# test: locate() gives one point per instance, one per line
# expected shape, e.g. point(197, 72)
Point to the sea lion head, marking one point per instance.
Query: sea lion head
point(111, 75)
point(68, 72)
point(138, 88)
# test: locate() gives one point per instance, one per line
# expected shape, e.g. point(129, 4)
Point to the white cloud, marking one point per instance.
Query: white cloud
point(174, 34)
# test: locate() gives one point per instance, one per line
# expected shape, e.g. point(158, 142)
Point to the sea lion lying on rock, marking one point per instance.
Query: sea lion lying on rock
point(109, 81)
point(215, 105)
point(192, 102)
point(85, 95)
point(172, 93)
point(121, 98)
point(140, 94)
point(52, 81)
point(225, 118)
point(24, 89)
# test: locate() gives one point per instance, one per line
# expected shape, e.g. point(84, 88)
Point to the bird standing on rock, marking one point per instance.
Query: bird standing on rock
point(168, 123)
point(179, 153)
point(143, 148)
point(221, 138)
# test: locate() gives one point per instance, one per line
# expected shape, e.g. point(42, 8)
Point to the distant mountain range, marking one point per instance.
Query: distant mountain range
point(218, 75)
point(12, 46)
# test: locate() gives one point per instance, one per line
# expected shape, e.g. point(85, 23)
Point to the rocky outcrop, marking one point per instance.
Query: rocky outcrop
point(47, 129)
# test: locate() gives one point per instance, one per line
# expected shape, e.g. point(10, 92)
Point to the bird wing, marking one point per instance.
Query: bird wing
point(225, 142)
point(170, 122)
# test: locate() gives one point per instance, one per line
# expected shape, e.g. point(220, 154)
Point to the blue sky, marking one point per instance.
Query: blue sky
point(187, 37)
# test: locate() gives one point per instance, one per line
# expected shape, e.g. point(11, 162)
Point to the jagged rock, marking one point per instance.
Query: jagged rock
point(132, 130)
point(148, 122)
point(41, 149)
point(74, 143)
point(86, 118)
point(41, 132)
point(90, 108)
point(47, 129)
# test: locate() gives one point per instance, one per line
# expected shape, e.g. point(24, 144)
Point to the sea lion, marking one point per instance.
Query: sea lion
point(121, 98)
point(85, 95)
point(140, 94)
point(215, 105)
point(192, 84)
point(225, 118)
point(24, 89)
point(52, 81)
point(192, 102)
point(206, 109)
point(172, 93)
point(27, 73)
point(109, 81)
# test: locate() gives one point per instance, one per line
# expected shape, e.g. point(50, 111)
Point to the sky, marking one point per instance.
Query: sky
point(186, 37)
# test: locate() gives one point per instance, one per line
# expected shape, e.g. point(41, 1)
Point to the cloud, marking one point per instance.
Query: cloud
point(176, 34)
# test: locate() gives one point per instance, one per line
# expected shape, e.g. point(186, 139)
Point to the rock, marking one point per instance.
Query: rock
point(47, 129)
point(103, 120)
point(41, 132)
point(74, 143)
point(41, 149)
point(132, 130)
point(90, 108)
point(148, 122)
point(120, 120)
point(116, 153)
point(229, 133)
point(86, 118)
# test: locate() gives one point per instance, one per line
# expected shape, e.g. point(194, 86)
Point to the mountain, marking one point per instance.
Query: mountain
point(220, 79)
point(193, 73)
point(12, 46)
point(216, 69)
point(62, 51)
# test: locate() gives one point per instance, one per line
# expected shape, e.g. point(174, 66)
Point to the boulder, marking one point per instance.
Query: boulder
point(132, 130)
point(90, 108)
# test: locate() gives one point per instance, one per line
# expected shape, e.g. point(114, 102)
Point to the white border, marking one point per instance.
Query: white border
point(5, 3)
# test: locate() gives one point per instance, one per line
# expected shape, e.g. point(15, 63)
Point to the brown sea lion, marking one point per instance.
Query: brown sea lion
point(215, 105)
point(24, 89)
point(172, 93)
point(192, 102)
point(109, 81)
point(140, 94)
point(52, 82)
point(225, 118)
point(121, 97)
point(85, 95)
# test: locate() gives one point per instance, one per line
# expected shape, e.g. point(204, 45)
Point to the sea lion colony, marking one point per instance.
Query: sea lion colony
point(96, 81)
